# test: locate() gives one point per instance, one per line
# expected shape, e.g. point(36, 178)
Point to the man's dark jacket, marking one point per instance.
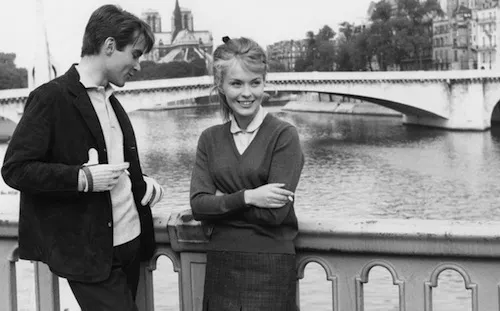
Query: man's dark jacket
point(71, 231)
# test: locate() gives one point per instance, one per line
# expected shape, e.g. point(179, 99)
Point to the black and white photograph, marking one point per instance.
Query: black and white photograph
point(228, 155)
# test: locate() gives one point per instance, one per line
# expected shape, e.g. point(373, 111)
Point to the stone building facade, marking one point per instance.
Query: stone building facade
point(183, 43)
point(287, 52)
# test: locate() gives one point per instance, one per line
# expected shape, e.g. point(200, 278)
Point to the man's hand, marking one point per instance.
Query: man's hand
point(100, 177)
point(103, 177)
point(154, 192)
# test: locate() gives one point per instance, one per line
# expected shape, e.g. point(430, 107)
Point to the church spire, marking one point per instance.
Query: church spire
point(177, 20)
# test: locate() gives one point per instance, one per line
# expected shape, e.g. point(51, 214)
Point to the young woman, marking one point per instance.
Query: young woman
point(242, 185)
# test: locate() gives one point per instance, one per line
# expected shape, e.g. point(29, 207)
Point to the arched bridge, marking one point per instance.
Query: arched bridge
point(464, 100)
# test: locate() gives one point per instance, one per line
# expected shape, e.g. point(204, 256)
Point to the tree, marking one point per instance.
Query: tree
point(343, 57)
point(404, 35)
point(325, 56)
point(433, 6)
point(300, 65)
point(11, 77)
point(347, 29)
point(310, 52)
point(380, 42)
point(353, 50)
point(382, 12)
point(198, 67)
point(276, 66)
point(361, 54)
point(153, 71)
point(320, 51)
point(325, 34)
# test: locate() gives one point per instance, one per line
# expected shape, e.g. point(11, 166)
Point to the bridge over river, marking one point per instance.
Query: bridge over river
point(458, 100)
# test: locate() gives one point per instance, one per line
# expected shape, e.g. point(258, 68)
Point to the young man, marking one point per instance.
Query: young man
point(85, 204)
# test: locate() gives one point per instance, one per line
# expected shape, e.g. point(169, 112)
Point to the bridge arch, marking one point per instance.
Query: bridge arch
point(401, 107)
point(492, 102)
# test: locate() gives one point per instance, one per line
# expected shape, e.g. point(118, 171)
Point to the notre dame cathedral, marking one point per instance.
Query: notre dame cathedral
point(183, 43)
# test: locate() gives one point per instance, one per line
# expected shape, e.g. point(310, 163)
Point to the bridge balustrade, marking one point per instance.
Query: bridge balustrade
point(414, 252)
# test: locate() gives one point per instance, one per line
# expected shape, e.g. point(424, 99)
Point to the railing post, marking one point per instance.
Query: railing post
point(8, 286)
point(188, 238)
point(193, 280)
point(145, 290)
point(46, 288)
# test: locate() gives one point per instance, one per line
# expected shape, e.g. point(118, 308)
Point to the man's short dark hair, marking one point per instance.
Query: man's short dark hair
point(112, 21)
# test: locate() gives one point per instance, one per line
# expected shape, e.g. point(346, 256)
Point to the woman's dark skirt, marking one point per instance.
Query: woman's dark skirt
point(236, 281)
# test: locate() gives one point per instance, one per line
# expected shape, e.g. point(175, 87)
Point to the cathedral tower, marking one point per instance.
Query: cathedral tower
point(153, 19)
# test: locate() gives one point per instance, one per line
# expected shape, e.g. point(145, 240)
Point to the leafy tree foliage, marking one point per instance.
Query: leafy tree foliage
point(391, 38)
point(361, 53)
point(320, 51)
point(407, 35)
point(347, 30)
point(353, 50)
point(198, 67)
point(153, 71)
point(382, 12)
point(343, 57)
point(325, 34)
point(11, 77)
point(301, 65)
point(276, 66)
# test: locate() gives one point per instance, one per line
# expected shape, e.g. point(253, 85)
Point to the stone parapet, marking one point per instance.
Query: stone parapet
point(414, 252)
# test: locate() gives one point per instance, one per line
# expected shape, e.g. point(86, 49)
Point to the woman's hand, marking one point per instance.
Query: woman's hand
point(268, 196)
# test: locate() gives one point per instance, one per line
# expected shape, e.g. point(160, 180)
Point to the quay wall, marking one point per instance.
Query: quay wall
point(329, 103)
point(362, 108)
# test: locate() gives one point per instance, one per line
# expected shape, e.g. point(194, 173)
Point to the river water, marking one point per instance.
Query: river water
point(356, 166)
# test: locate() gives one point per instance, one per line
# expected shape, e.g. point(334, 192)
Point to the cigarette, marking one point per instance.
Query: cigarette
point(290, 198)
point(127, 172)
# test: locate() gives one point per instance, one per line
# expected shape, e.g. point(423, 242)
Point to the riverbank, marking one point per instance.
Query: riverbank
point(358, 108)
point(207, 101)
point(181, 104)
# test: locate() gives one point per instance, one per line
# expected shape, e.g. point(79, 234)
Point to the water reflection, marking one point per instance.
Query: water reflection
point(167, 145)
point(356, 166)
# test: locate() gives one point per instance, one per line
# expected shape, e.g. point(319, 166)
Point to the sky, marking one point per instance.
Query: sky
point(266, 21)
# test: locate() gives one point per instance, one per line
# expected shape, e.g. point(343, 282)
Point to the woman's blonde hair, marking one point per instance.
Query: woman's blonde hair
point(247, 53)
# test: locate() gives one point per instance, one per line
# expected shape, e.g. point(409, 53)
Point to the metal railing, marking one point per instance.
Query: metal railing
point(414, 252)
